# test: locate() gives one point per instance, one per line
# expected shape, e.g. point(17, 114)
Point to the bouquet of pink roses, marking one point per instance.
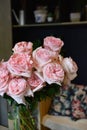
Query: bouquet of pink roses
point(27, 71)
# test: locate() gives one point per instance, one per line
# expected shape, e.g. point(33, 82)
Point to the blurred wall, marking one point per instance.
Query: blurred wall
point(5, 29)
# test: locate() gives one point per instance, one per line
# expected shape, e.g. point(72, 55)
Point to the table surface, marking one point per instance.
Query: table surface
point(63, 123)
point(3, 128)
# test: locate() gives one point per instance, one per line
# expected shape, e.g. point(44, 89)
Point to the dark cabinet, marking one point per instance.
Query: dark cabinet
point(74, 34)
point(65, 7)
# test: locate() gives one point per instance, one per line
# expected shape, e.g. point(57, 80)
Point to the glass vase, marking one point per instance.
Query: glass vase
point(13, 117)
point(22, 118)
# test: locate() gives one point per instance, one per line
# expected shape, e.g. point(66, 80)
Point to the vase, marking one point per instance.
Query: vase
point(22, 118)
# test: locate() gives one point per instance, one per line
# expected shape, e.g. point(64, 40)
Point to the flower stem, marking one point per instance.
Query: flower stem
point(26, 119)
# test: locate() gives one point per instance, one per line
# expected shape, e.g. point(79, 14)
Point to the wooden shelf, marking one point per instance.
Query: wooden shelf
point(50, 24)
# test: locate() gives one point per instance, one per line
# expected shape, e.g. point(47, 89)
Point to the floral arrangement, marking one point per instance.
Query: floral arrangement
point(71, 102)
point(35, 73)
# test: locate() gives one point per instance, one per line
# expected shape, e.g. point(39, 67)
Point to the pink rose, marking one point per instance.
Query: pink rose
point(23, 47)
point(20, 64)
point(53, 73)
point(4, 78)
point(17, 88)
point(42, 56)
point(53, 44)
point(70, 67)
point(35, 82)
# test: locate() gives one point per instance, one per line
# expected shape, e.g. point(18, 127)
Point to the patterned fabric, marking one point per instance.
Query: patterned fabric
point(71, 102)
